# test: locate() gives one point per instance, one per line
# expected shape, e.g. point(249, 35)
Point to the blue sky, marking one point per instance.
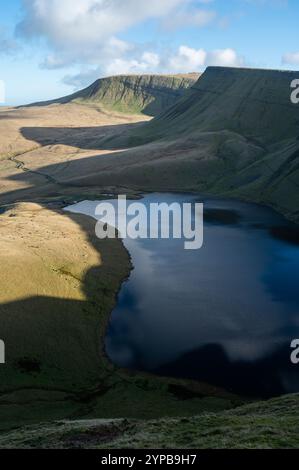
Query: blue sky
point(48, 48)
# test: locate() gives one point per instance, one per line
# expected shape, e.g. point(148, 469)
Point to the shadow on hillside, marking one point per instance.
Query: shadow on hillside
point(12, 114)
point(91, 174)
point(54, 350)
point(53, 345)
point(55, 366)
point(86, 138)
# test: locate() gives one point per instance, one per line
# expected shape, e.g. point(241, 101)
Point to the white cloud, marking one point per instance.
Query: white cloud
point(149, 62)
point(107, 50)
point(225, 58)
point(188, 59)
point(290, 58)
point(74, 21)
point(86, 30)
point(87, 34)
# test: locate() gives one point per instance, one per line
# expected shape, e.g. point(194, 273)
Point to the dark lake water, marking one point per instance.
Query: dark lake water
point(225, 314)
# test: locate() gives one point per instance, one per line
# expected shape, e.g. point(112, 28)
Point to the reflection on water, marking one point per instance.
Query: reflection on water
point(225, 314)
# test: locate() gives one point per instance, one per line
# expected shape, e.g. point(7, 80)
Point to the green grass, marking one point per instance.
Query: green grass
point(264, 425)
point(133, 94)
point(234, 133)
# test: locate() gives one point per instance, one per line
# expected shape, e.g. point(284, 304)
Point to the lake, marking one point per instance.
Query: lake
point(225, 314)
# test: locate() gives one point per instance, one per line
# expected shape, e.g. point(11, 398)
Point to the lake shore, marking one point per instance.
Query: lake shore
point(54, 322)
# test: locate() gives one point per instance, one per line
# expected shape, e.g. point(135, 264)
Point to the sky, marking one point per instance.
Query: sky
point(49, 48)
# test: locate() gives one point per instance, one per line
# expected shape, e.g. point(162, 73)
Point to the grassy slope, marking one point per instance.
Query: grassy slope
point(244, 101)
point(147, 94)
point(235, 133)
point(262, 425)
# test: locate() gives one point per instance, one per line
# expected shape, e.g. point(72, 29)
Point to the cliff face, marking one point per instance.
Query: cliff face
point(147, 94)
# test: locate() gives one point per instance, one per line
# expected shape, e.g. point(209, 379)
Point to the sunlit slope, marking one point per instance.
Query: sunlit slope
point(148, 94)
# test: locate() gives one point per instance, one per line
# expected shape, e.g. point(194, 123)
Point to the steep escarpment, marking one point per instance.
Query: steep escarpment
point(235, 132)
point(147, 94)
point(252, 102)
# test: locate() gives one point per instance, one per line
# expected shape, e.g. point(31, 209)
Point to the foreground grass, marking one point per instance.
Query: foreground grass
point(266, 425)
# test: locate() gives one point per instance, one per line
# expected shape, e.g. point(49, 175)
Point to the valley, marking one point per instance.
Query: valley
point(232, 134)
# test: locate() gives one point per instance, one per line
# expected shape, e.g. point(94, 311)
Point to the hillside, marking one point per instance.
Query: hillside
point(252, 102)
point(235, 132)
point(147, 94)
point(262, 425)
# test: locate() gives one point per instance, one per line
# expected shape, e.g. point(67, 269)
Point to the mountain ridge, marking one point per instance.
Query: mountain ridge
point(234, 133)
point(269, 87)
point(148, 94)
